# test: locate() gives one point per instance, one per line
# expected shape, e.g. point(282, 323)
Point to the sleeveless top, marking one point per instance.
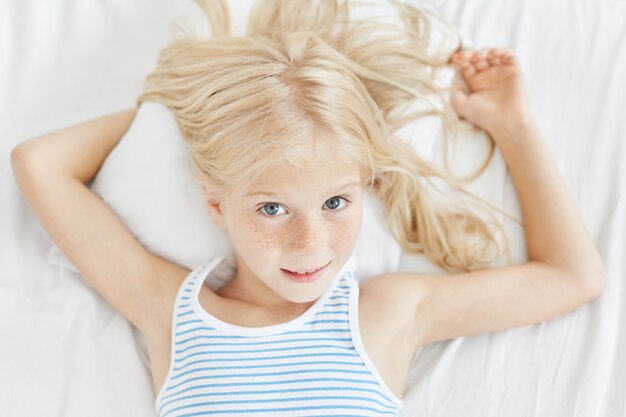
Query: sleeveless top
point(313, 365)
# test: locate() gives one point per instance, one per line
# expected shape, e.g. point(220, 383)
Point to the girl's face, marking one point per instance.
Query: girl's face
point(296, 220)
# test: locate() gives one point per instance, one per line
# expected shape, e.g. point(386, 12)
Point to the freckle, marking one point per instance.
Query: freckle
point(346, 231)
point(263, 236)
point(268, 240)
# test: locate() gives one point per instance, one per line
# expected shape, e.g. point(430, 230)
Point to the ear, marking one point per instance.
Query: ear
point(214, 206)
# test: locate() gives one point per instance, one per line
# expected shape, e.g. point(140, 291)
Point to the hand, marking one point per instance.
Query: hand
point(494, 96)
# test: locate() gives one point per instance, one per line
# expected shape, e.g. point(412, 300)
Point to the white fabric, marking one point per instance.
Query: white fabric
point(64, 351)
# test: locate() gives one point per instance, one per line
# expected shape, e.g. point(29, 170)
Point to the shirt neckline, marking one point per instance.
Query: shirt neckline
point(274, 329)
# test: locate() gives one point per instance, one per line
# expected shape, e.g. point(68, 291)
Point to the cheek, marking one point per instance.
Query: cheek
point(345, 230)
point(264, 236)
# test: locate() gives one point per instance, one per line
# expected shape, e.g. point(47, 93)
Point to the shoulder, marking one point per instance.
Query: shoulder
point(404, 290)
point(393, 299)
point(168, 277)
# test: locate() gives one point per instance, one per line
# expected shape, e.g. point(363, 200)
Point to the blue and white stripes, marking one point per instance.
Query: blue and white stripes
point(314, 365)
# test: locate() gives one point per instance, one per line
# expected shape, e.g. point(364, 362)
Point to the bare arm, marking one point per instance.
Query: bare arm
point(555, 232)
point(564, 270)
point(52, 171)
point(80, 150)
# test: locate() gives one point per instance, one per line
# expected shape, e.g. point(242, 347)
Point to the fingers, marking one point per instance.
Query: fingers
point(499, 56)
point(482, 59)
point(467, 68)
point(479, 60)
point(471, 61)
point(495, 56)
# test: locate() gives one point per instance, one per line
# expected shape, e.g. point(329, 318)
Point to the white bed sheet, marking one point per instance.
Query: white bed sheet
point(65, 352)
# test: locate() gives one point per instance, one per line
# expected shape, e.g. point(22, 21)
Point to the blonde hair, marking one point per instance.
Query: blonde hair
point(245, 104)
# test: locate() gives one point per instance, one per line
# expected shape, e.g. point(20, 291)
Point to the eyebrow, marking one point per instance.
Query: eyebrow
point(271, 194)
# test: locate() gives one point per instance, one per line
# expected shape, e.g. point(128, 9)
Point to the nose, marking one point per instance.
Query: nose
point(305, 236)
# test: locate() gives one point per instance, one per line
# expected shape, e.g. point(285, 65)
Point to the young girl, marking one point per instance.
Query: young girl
point(287, 128)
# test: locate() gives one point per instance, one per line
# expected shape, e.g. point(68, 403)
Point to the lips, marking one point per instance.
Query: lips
point(305, 270)
point(306, 277)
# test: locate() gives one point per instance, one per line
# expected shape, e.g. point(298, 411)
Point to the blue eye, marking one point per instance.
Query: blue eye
point(337, 200)
point(271, 209)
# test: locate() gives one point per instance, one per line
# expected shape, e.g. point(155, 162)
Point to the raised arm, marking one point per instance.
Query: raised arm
point(77, 151)
point(564, 269)
point(52, 172)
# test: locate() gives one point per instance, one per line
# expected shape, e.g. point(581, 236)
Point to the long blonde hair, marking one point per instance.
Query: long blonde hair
point(245, 104)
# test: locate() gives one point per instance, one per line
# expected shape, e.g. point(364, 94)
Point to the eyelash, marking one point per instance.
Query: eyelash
point(348, 202)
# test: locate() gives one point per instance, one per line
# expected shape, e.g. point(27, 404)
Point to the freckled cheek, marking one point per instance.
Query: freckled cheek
point(264, 236)
point(341, 231)
point(346, 232)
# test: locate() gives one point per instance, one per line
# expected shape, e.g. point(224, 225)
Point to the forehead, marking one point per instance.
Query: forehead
point(322, 177)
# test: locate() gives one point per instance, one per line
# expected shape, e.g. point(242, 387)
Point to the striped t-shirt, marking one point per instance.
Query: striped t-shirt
point(313, 365)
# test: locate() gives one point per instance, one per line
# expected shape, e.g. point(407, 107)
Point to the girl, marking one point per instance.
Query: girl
point(287, 128)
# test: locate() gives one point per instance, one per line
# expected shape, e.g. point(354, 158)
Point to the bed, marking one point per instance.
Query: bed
point(65, 352)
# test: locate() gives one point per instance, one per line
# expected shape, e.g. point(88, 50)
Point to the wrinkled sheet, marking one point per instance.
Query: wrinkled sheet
point(64, 351)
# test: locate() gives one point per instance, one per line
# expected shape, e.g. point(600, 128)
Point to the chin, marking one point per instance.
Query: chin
point(313, 292)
